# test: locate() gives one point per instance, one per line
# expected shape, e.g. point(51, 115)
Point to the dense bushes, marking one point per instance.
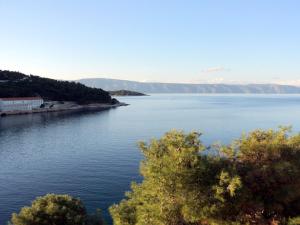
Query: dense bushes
point(55, 210)
point(255, 180)
point(14, 84)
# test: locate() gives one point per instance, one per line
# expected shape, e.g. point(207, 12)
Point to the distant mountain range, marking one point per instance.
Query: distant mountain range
point(151, 87)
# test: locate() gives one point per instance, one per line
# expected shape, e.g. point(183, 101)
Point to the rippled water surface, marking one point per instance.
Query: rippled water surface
point(94, 156)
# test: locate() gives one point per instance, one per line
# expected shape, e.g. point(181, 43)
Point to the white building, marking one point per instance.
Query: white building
point(20, 104)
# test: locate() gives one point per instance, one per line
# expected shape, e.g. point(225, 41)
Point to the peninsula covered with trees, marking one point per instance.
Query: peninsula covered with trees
point(126, 93)
point(253, 180)
point(15, 84)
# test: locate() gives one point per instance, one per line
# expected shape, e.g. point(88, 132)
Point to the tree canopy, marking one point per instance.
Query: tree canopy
point(15, 84)
point(254, 180)
point(54, 209)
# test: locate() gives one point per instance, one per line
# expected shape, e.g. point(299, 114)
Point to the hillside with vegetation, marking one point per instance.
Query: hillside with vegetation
point(255, 180)
point(15, 84)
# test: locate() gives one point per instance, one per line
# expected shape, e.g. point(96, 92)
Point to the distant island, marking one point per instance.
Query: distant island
point(126, 93)
point(20, 94)
point(152, 87)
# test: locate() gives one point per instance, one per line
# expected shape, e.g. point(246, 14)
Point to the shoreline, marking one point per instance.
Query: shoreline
point(89, 107)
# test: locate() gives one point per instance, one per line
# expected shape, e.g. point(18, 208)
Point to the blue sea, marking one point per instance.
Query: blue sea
point(94, 155)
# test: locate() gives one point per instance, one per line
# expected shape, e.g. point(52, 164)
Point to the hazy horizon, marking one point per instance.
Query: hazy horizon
point(166, 82)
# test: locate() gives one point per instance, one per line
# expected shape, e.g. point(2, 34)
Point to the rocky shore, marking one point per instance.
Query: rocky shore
point(65, 106)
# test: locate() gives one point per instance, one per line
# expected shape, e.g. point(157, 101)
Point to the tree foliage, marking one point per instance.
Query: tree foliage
point(254, 180)
point(15, 84)
point(126, 93)
point(54, 209)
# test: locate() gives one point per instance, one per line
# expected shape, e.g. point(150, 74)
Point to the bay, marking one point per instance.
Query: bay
point(95, 156)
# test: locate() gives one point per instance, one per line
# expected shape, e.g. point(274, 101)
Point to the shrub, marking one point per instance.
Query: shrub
point(54, 209)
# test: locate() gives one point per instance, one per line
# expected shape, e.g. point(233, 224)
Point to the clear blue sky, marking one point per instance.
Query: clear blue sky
point(154, 40)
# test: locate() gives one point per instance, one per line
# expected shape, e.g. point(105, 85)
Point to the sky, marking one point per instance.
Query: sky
point(190, 41)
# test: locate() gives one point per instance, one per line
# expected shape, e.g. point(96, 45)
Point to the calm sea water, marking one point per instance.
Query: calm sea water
point(94, 156)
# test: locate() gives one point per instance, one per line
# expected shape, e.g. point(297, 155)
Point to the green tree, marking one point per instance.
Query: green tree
point(54, 209)
point(268, 164)
point(294, 221)
point(254, 180)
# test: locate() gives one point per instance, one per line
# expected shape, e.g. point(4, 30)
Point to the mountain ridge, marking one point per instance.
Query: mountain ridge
point(157, 87)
